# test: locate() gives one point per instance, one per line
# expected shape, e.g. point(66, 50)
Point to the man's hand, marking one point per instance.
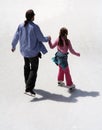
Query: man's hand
point(12, 49)
point(49, 38)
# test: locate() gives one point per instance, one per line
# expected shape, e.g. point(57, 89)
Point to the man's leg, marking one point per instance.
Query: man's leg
point(33, 73)
point(26, 68)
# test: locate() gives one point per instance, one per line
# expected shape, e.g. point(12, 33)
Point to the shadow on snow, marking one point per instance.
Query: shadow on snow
point(45, 95)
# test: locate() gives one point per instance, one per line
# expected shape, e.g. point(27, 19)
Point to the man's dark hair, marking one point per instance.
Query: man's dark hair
point(29, 15)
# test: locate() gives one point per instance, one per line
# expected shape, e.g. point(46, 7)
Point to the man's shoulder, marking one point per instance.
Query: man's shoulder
point(35, 25)
point(21, 25)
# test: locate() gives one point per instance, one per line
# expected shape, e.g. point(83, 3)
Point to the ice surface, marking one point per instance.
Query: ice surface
point(53, 108)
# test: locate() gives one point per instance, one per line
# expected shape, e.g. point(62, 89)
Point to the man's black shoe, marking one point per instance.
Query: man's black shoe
point(32, 92)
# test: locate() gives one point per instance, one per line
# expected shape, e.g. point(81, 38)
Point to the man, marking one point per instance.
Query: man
point(30, 38)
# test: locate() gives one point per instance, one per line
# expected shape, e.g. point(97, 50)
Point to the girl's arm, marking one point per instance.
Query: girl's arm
point(72, 50)
point(40, 35)
point(53, 45)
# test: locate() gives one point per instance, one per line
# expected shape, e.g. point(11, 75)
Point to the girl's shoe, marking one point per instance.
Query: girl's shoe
point(71, 88)
point(61, 83)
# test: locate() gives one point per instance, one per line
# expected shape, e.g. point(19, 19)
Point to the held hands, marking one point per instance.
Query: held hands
point(49, 37)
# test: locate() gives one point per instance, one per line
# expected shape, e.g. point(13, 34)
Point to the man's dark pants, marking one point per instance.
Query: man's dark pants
point(30, 71)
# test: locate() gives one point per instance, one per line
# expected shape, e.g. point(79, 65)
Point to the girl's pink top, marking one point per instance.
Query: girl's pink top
point(65, 48)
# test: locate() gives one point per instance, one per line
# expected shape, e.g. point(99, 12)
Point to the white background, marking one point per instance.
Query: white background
point(53, 108)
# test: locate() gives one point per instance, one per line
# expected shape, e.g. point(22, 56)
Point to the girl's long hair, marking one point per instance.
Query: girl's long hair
point(29, 15)
point(63, 34)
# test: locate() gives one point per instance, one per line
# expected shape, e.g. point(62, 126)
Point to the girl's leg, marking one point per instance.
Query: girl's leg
point(68, 76)
point(60, 74)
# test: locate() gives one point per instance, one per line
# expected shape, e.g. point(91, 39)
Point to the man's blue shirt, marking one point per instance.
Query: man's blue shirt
point(30, 38)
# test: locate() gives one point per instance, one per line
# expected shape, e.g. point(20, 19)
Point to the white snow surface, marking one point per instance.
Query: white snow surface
point(53, 108)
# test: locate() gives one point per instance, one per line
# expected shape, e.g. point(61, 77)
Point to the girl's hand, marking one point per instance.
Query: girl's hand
point(78, 54)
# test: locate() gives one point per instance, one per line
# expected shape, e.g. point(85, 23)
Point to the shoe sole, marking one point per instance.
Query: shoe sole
point(29, 94)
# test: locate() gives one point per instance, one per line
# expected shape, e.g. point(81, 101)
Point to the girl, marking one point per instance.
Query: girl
point(63, 44)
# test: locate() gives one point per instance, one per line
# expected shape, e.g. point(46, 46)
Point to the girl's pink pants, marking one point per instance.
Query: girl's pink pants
point(65, 72)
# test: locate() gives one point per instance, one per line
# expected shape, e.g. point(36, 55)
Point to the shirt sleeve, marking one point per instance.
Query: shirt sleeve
point(40, 35)
point(71, 49)
point(15, 39)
